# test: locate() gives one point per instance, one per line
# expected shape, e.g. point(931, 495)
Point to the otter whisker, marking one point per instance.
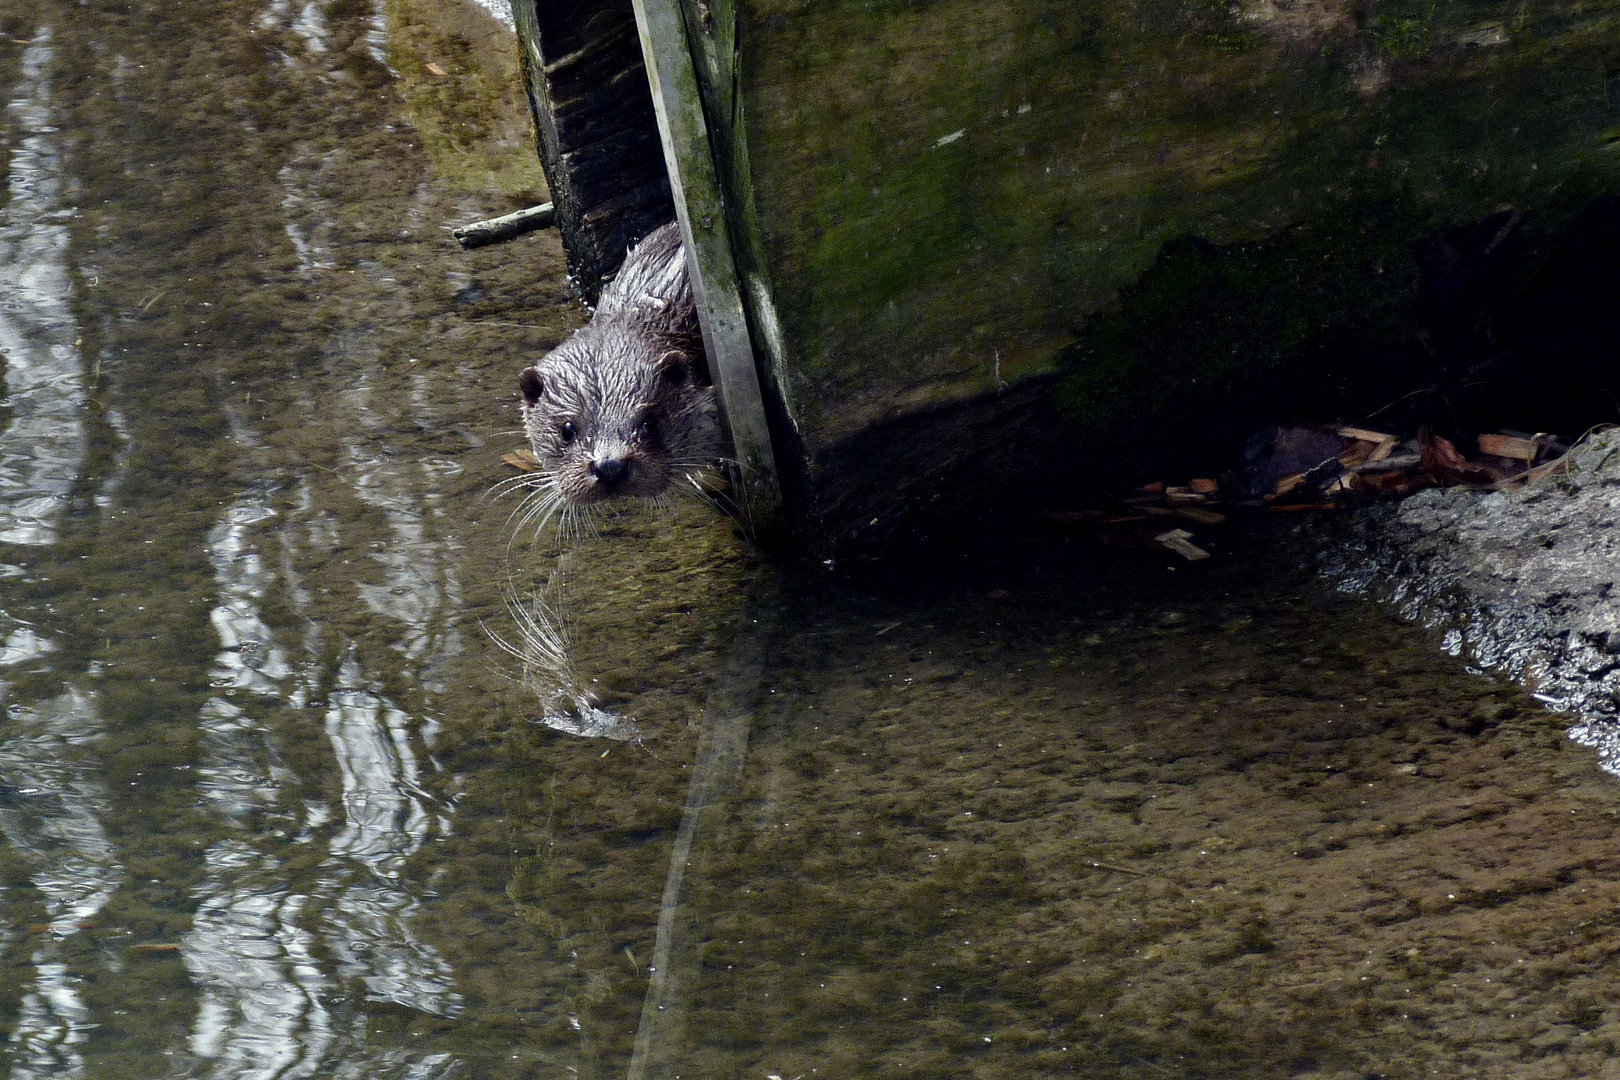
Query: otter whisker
point(533, 504)
point(555, 507)
point(532, 495)
point(545, 639)
point(696, 491)
point(515, 483)
point(568, 522)
point(535, 482)
point(536, 510)
point(578, 520)
point(584, 522)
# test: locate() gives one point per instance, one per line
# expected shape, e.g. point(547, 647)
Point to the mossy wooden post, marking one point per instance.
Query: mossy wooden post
point(693, 180)
point(936, 205)
point(983, 250)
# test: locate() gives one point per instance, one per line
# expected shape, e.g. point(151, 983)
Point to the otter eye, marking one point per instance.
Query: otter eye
point(566, 431)
point(649, 424)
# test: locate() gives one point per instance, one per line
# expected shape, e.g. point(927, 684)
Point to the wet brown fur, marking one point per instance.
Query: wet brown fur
point(624, 408)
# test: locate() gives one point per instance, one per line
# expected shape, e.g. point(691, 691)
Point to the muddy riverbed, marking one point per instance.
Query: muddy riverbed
point(274, 803)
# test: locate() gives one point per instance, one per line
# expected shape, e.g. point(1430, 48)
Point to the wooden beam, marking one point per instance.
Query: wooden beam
point(695, 184)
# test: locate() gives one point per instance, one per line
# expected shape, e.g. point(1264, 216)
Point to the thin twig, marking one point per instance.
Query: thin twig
point(1120, 869)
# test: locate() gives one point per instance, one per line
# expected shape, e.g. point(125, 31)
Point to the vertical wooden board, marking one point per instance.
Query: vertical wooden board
point(704, 228)
point(711, 32)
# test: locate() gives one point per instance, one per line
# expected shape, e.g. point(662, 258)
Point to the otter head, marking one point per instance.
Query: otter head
point(615, 411)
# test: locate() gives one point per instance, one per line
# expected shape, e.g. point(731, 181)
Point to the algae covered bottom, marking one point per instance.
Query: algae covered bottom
point(1074, 817)
point(274, 803)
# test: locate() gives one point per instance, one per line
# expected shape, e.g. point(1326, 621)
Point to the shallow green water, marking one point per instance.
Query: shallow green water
point(273, 803)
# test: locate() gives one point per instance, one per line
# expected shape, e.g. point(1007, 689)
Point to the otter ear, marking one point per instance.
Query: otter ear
point(674, 368)
point(531, 385)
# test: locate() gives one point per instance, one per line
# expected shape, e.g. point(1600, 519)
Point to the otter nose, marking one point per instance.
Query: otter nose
point(610, 472)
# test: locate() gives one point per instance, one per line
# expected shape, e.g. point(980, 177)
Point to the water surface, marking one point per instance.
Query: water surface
point(274, 803)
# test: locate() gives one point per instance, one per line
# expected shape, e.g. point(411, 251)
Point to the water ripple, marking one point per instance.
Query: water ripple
point(252, 947)
point(386, 821)
point(43, 447)
point(249, 660)
point(262, 1014)
point(54, 823)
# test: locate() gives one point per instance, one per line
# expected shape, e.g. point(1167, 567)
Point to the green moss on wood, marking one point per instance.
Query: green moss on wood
point(1213, 337)
point(945, 190)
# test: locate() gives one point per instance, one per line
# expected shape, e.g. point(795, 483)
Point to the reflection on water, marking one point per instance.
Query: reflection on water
point(252, 946)
point(51, 800)
point(273, 804)
point(43, 444)
point(386, 820)
point(308, 218)
point(50, 815)
point(289, 899)
point(419, 585)
point(541, 644)
point(261, 988)
point(249, 660)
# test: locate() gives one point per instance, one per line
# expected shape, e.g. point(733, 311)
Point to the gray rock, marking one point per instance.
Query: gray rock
point(1522, 582)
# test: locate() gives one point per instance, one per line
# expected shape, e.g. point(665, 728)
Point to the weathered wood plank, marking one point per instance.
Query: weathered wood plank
point(931, 201)
point(595, 128)
point(701, 212)
point(609, 167)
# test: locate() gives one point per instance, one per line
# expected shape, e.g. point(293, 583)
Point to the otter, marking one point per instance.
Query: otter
point(625, 405)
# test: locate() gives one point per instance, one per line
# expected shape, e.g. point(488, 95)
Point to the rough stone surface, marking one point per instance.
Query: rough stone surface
point(1518, 581)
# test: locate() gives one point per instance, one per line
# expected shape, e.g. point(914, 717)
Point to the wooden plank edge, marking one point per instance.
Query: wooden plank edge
point(695, 184)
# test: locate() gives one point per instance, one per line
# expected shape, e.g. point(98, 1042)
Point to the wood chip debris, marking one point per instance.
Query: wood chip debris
point(1200, 517)
point(1312, 469)
point(1180, 542)
point(1374, 465)
point(436, 71)
point(1512, 447)
point(1366, 435)
point(1154, 517)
